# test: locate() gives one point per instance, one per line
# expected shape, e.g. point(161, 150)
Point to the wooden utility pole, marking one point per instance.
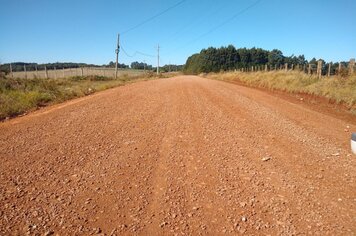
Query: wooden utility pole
point(158, 59)
point(117, 54)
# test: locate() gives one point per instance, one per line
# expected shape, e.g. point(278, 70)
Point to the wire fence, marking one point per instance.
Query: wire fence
point(71, 72)
point(319, 69)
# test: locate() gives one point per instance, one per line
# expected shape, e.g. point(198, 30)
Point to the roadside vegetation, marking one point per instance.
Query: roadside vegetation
point(18, 96)
point(230, 58)
point(335, 88)
point(285, 73)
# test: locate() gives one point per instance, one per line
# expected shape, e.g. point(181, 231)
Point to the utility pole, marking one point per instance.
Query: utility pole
point(158, 59)
point(117, 54)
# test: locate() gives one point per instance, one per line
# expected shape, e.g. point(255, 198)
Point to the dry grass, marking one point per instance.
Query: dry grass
point(336, 89)
point(18, 96)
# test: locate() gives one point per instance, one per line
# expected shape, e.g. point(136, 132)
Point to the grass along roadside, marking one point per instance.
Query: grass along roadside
point(336, 89)
point(18, 96)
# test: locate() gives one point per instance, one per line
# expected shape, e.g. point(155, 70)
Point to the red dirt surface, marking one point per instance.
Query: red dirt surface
point(178, 156)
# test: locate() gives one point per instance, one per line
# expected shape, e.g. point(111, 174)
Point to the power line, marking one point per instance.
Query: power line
point(196, 20)
point(122, 48)
point(221, 24)
point(135, 53)
point(154, 17)
point(144, 54)
point(229, 19)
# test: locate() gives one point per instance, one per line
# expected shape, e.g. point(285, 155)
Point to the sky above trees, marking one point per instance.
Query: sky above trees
point(85, 31)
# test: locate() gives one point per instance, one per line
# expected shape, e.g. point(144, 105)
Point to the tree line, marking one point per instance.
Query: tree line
point(231, 58)
point(19, 66)
point(165, 68)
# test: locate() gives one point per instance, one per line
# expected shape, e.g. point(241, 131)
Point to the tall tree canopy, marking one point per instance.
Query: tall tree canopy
point(229, 58)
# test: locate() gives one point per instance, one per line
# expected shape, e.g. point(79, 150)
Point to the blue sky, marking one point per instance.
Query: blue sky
point(85, 31)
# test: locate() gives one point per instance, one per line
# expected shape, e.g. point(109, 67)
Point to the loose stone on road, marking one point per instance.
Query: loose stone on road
point(184, 155)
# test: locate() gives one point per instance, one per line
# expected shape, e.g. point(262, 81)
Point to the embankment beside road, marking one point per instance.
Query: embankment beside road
point(19, 95)
point(335, 89)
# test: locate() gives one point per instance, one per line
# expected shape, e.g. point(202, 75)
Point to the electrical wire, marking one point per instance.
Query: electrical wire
point(229, 19)
point(220, 25)
point(154, 17)
point(135, 53)
point(196, 21)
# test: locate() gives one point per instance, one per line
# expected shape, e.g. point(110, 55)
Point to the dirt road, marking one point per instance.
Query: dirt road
point(180, 156)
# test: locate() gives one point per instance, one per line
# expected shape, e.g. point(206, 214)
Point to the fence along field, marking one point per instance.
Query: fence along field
point(64, 73)
point(318, 69)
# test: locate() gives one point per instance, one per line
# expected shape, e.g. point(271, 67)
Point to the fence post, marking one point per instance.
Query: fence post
point(320, 64)
point(329, 69)
point(12, 75)
point(24, 67)
point(46, 72)
point(351, 66)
